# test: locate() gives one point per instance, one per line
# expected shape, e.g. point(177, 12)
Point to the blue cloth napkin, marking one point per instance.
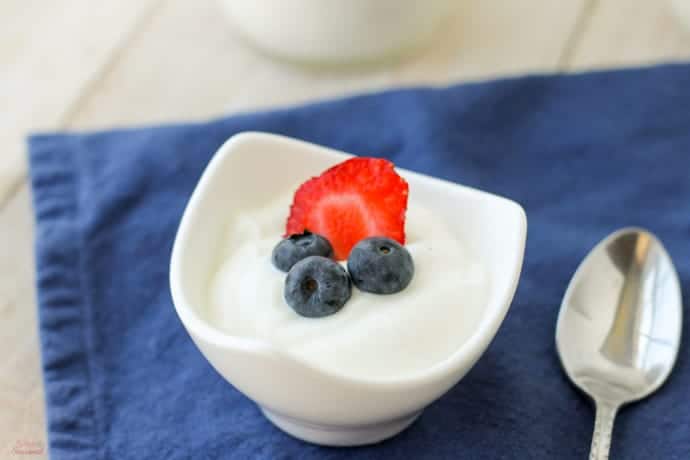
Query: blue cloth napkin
point(584, 154)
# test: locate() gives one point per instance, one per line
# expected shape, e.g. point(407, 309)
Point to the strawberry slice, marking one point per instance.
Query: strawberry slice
point(355, 199)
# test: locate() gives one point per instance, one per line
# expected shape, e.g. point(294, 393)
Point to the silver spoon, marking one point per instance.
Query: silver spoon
point(619, 326)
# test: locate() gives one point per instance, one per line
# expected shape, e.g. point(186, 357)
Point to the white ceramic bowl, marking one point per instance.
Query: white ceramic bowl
point(337, 31)
point(310, 403)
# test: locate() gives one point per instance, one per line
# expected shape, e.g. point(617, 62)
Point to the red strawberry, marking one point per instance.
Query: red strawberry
point(355, 199)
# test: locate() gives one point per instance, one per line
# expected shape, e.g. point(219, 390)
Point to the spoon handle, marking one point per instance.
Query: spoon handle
point(603, 428)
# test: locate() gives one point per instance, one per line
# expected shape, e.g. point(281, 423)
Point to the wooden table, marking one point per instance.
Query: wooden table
point(79, 64)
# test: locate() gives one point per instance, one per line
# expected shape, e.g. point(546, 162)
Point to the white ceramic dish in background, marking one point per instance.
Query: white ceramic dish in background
point(311, 403)
point(336, 31)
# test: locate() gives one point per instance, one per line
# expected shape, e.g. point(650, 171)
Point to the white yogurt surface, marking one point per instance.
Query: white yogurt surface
point(374, 336)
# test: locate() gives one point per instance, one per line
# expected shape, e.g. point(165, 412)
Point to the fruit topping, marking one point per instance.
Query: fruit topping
point(358, 198)
point(380, 265)
point(317, 286)
point(297, 247)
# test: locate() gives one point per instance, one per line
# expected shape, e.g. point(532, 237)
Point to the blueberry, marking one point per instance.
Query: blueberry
point(296, 247)
point(317, 286)
point(380, 265)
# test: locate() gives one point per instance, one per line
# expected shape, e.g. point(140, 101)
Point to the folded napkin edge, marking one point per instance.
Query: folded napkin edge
point(72, 408)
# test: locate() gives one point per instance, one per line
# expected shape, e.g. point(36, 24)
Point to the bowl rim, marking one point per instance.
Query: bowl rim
point(466, 354)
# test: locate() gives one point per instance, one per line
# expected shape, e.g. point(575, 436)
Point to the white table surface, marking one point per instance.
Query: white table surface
point(80, 64)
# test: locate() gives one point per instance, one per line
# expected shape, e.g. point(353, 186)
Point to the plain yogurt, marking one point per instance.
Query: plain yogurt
point(373, 336)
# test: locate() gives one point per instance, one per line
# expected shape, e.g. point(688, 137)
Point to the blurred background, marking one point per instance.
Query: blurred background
point(81, 64)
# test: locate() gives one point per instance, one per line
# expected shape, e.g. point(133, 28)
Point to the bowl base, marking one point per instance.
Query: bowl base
point(336, 435)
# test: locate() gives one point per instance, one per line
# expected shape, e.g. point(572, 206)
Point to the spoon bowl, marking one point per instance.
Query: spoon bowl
point(619, 326)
